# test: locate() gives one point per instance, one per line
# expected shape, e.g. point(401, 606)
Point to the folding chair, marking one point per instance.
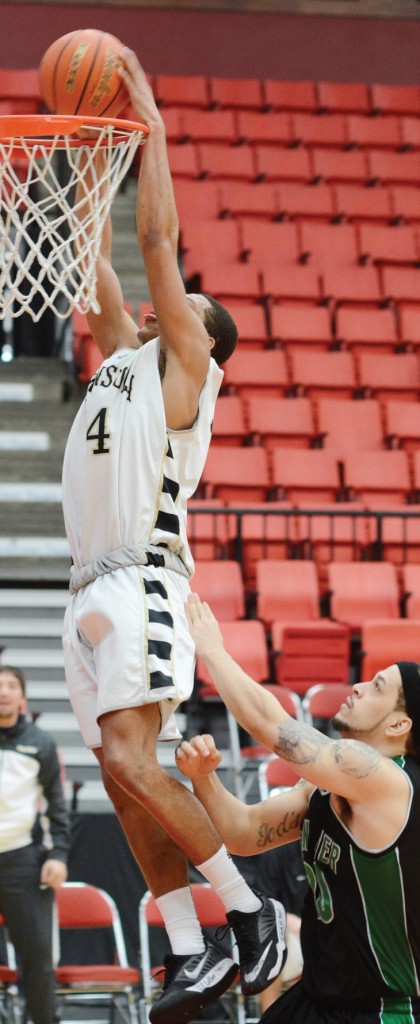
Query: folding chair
point(10, 1003)
point(322, 702)
point(81, 906)
point(211, 914)
point(275, 775)
point(385, 641)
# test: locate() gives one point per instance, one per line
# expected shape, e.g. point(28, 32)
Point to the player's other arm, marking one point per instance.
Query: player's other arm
point(182, 333)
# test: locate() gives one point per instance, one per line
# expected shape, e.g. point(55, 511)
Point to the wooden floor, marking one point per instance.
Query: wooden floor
point(346, 8)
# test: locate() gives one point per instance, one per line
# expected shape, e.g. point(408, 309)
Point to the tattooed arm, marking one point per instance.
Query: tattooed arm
point(245, 829)
point(348, 768)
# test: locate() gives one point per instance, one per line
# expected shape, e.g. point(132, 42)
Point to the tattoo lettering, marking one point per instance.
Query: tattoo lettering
point(356, 759)
point(299, 743)
point(270, 833)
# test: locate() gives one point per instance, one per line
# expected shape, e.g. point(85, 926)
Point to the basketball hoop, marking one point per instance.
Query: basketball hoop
point(48, 243)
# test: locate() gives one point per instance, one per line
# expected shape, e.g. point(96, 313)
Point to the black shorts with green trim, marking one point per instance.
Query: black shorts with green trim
point(297, 1007)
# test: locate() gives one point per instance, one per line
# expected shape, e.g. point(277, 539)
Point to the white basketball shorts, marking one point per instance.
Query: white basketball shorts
point(126, 643)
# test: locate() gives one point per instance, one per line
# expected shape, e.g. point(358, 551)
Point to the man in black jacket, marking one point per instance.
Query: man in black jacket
point(32, 861)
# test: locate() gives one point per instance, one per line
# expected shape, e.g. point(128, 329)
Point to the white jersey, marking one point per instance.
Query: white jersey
point(126, 476)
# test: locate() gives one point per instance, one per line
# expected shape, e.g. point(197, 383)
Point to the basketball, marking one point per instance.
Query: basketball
point(79, 75)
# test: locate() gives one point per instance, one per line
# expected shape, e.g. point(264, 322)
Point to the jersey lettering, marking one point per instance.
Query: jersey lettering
point(113, 376)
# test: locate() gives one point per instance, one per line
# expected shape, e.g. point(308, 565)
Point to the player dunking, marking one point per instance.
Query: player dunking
point(134, 456)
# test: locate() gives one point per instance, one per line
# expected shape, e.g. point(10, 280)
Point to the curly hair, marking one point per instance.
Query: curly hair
point(220, 325)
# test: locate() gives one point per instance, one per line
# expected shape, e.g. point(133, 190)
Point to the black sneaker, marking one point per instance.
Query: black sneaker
point(191, 982)
point(261, 944)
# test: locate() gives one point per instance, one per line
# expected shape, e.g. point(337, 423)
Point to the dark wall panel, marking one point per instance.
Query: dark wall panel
point(226, 43)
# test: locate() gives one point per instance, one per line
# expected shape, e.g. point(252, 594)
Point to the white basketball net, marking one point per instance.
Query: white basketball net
point(48, 245)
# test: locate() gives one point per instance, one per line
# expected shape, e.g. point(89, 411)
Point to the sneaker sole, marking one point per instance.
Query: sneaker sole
point(176, 1013)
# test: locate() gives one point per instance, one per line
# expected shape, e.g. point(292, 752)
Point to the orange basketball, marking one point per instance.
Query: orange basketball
point(79, 75)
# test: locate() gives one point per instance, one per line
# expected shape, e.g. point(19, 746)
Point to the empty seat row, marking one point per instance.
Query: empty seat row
point(339, 130)
point(275, 94)
point(209, 242)
point(296, 201)
point(288, 591)
point(341, 374)
point(263, 162)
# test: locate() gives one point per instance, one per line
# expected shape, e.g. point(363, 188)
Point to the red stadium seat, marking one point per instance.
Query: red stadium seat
point(345, 425)
point(310, 653)
point(358, 203)
point(262, 531)
point(183, 160)
point(381, 476)
point(236, 474)
point(321, 374)
point(351, 285)
point(246, 643)
point(395, 99)
point(331, 532)
point(313, 130)
point(339, 164)
point(280, 95)
point(405, 203)
point(249, 199)
point(366, 329)
point(287, 591)
point(259, 238)
point(393, 168)
point(207, 532)
point(323, 701)
point(305, 474)
point(400, 284)
point(373, 131)
point(229, 424)
point(343, 96)
point(232, 281)
point(221, 161)
point(282, 164)
point(209, 125)
point(295, 282)
point(411, 590)
point(181, 90)
point(381, 244)
point(204, 242)
point(251, 321)
point(252, 373)
point(237, 93)
point(416, 473)
point(220, 583)
point(298, 325)
point(385, 641)
point(196, 200)
point(389, 376)
point(303, 202)
point(402, 424)
point(361, 591)
point(400, 534)
point(326, 245)
point(409, 323)
point(281, 421)
point(269, 128)
point(410, 132)
point(274, 775)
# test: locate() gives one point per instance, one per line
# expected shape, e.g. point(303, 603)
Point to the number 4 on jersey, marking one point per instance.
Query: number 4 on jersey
point(98, 432)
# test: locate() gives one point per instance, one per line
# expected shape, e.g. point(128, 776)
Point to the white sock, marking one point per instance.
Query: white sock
point(181, 922)
point(225, 878)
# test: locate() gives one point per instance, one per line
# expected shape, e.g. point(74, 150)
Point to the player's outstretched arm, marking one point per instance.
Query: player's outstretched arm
point(181, 332)
point(346, 767)
point(246, 829)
